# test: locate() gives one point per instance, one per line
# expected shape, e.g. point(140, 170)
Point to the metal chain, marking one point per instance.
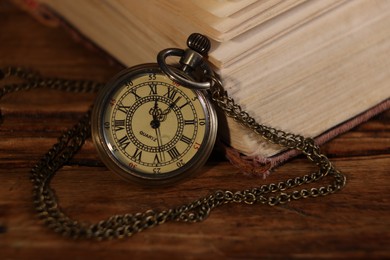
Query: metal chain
point(119, 226)
point(34, 80)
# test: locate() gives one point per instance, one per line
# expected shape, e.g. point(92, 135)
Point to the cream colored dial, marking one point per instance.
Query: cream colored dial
point(153, 129)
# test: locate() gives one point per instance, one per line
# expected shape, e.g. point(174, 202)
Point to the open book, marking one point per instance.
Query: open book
point(315, 68)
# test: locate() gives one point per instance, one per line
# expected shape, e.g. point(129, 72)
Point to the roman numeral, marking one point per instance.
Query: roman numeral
point(173, 153)
point(190, 122)
point(119, 125)
point(171, 93)
point(153, 89)
point(124, 142)
point(183, 105)
point(185, 139)
point(134, 92)
point(156, 159)
point(137, 154)
point(123, 108)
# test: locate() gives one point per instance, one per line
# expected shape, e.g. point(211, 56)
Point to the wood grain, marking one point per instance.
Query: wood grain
point(353, 223)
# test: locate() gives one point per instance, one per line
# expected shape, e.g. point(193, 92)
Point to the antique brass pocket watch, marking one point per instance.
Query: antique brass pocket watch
point(152, 123)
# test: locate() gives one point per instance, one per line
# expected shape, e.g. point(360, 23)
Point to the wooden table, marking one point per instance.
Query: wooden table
point(352, 223)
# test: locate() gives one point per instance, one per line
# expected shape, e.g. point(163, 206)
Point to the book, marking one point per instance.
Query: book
point(314, 68)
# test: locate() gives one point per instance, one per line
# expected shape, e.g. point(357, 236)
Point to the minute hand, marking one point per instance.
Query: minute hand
point(169, 108)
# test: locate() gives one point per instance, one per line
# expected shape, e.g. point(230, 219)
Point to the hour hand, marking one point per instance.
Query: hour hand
point(156, 113)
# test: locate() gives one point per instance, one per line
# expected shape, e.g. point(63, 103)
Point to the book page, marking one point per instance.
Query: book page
point(222, 8)
point(333, 69)
point(224, 29)
point(228, 53)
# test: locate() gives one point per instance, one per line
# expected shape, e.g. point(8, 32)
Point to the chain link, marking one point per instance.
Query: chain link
point(34, 80)
point(120, 226)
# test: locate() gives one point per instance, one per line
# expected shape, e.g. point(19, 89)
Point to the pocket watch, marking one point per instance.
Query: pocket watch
point(153, 123)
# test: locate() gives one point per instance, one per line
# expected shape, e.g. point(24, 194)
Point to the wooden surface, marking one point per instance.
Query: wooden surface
point(354, 223)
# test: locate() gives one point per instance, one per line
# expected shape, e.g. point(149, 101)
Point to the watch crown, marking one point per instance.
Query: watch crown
point(199, 43)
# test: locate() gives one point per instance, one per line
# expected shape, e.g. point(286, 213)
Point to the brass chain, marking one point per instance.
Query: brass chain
point(119, 226)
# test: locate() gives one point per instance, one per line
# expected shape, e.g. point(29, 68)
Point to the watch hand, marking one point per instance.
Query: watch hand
point(169, 108)
point(159, 143)
point(155, 112)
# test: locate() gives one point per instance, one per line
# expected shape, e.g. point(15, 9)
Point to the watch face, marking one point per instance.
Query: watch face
point(149, 129)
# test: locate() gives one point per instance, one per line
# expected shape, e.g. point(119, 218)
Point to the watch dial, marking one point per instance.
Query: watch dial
point(152, 127)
